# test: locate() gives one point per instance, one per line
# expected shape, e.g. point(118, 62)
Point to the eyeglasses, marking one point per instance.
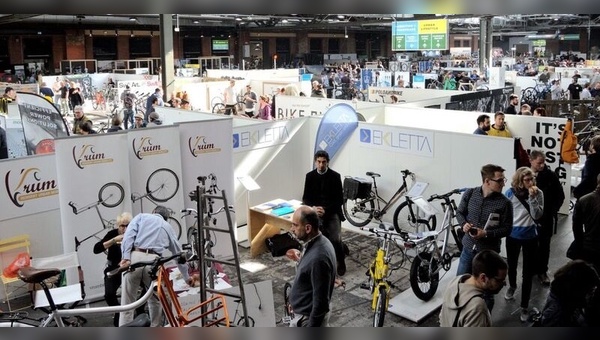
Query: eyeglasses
point(499, 180)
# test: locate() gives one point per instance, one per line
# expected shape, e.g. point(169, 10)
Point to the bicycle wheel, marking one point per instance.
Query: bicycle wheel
point(240, 322)
point(407, 218)
point(423, 280)
point(338, 94)
point(111, 194)
point(192, 240)
point(175, 225)
point(287, 307)
point(359, 212)
point(529, 96)
point(380, 307)
point(219, 108)
point(162, 185)
point(360, 96)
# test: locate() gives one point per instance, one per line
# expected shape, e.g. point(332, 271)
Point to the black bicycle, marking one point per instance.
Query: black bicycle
point(161, 186)
point(110, 195)
point(362, 204)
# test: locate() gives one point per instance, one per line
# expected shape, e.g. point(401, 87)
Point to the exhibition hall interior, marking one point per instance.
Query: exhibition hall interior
point(283, 170)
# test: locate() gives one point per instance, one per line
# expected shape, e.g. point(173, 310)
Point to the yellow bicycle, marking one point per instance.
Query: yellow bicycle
point(381, 268)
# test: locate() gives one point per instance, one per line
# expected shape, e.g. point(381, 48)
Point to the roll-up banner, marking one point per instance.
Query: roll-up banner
point(336, 126)
point(94, 172)
point(29, 186)
point(42, 123)
point(155, 172)
point(207, 152)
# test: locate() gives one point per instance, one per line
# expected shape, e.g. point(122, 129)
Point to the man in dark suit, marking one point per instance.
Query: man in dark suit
point(323, 191)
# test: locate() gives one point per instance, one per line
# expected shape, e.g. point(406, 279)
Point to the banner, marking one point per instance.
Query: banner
point(155, 163)
point(94, 174)
point(206, 152)
point(42, 123)
point(335, 128)
point(29, 186)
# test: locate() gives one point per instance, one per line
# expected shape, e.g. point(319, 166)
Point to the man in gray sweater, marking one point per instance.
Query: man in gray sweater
point(315, 273)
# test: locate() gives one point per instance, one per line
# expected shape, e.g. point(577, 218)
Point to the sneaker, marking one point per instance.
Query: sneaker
point(544, 279)
point(524, 314)
point(510, 293)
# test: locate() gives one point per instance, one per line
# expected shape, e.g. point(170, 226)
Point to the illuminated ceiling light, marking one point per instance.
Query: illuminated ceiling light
point(132, 35)
point(132, 19)
point(238, 19)
point(90, 33)
point(116, 33)
point(196, 22)
point(105, 32)
point(284, 21)
point(151, 34)
point(346, 32)
point(177, 19)
point(340, 16)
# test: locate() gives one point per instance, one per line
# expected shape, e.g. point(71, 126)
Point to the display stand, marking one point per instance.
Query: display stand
point(250, 185)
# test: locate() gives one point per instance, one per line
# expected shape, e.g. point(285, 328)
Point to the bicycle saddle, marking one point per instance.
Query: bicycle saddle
point(373, 174)
point(34, 275)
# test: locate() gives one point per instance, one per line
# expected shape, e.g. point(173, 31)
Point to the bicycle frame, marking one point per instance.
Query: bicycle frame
point(388, 204)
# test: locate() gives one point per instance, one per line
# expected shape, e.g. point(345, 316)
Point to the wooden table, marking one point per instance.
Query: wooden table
point(260, 214)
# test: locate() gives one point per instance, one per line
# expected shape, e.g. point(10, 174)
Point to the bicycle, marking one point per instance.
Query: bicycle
point(161, 286)
point(534, 94)
point(360, 209)
point(288, 312)
point(380, 270)
point(110, 195)
point(161, 186)
point(430, 257)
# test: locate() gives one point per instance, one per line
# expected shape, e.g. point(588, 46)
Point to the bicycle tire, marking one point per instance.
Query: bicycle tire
point(529, 96)
point(105, 201)
point(192, 240)
point(218, 108)
point(360, 96)
point(338, 94)
point(380, 307)
point(240, 322)
point(359, 212)
point(215, 101)
point(161, 181)
point(423, 283)
point(406, 219)
point(175, 225)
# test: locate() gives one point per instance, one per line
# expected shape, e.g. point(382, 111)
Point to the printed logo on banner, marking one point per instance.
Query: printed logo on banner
point(30, 185)
point(414, 142)
point(199, 145)
point(144, 147)
point(261, 137)
point(87, 155)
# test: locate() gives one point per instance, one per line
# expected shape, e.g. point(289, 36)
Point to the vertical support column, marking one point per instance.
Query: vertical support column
point(485, 43)
point(167, 74)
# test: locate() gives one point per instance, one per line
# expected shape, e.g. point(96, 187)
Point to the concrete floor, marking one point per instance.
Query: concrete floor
point(352, 305)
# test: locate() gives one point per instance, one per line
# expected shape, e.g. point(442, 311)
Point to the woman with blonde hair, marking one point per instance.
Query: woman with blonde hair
point(528, 206)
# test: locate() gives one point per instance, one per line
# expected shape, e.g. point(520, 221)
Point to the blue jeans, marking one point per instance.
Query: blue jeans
point(127, 117)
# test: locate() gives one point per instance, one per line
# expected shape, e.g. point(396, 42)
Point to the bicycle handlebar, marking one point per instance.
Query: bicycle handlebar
point(157, 262)
point(403, 234)
point(446, 195)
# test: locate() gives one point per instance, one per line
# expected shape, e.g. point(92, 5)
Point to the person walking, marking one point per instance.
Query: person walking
point(586, 226)
point(463, 301)
point(528, 206)
point(313, 285)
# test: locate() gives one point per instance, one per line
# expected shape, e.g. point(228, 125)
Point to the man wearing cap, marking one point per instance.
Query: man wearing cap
point(154, 119)
point(250, 100)
point(128, 100)
point(139, 121)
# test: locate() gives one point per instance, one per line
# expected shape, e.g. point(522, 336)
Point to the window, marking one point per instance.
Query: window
point(316, 45)
point(334, 45)
point(139, 47)
point(192, 47)
point(105, 48)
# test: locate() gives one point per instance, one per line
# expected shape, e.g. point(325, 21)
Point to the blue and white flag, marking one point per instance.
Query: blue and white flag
point(335, 128)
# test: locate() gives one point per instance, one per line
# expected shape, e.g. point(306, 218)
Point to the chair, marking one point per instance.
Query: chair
point(9, 249)
point(67, 296)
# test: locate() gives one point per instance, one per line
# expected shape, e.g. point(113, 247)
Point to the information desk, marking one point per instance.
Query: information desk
point(263, 213)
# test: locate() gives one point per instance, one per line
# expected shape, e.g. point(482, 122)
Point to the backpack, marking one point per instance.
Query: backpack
point(128, 101)
point(568, 144)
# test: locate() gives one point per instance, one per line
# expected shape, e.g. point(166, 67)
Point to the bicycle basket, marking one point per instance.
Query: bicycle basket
point(355, 187)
